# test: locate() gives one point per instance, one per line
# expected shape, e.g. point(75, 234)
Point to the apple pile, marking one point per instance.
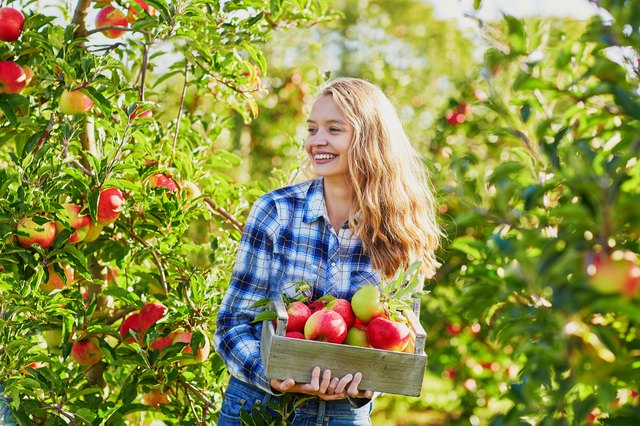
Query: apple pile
point(366, 320)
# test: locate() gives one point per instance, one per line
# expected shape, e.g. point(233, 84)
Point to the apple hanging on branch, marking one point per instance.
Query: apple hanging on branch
point(11, 23)
point(12, 77)
point(30, 233)
point(109, 16)
point(74, 102)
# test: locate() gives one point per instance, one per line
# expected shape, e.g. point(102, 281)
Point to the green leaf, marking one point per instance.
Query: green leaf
point(265, 315)
point(470, 246)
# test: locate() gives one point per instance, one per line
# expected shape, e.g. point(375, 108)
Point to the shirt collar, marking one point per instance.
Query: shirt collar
point(314, 202)
point(315, 207)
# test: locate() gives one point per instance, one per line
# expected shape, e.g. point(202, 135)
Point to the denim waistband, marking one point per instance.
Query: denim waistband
point(312, 405)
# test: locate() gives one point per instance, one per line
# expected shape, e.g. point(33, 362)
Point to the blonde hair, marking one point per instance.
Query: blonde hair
point(397, 221)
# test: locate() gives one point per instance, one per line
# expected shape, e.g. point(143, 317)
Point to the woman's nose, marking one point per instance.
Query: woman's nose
point(318, 139)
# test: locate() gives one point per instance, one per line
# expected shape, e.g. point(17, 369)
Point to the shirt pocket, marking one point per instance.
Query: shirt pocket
point(299, 259)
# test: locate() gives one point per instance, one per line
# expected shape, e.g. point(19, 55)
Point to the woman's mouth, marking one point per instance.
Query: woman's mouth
point(323, 158)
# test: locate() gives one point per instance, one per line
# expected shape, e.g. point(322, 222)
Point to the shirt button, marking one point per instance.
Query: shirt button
point(333, 263)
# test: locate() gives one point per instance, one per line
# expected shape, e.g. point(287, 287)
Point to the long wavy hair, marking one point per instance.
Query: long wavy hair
point(397, 220)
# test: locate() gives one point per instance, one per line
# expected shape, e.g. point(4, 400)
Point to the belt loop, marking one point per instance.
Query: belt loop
point(322, 406)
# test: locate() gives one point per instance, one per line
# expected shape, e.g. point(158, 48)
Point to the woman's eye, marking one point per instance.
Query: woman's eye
point(334, 129)
point(312, 130)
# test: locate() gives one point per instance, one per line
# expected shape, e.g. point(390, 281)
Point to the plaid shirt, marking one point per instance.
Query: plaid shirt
point(287, 238)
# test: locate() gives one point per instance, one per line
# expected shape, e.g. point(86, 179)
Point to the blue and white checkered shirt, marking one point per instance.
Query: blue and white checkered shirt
point(287, 239)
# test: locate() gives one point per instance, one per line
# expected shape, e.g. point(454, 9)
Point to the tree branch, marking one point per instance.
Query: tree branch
point(46, 132)
point(79, 16)
point(184, 92)
point(225, 214)
point(109, 27)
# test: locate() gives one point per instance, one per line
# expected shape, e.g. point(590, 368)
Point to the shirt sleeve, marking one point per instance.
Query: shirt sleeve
point(237, 339)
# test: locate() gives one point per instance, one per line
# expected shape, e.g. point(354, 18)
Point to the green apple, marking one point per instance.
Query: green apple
point(367, 304)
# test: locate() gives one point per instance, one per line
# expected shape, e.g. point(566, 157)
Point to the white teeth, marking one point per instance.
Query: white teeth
point(324, 156)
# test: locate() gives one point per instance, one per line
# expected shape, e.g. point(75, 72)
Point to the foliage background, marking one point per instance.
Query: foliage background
point(531, 139)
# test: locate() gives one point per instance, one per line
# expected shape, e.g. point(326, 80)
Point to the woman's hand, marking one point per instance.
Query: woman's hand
point(324, 387)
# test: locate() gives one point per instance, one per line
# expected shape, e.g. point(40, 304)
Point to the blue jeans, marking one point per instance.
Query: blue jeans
point(314, 412)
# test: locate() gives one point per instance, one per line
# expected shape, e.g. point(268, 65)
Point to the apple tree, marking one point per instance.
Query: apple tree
point(119, 207)
point(534, 316)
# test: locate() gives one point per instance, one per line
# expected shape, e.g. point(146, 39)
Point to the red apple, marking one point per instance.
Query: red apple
point(162, 342)
point(326, 326)
point(366, 303)
point(298, 313)
point(86, 351)
point(80, 223)
point(12, 77)
point(158, 180)
point(141, 112)
point(30, 233)
point(343, 307)
point(455, 117)
point(357, 336)
point(132, 322)
point(109, 205)
point(11, 24)
point(453, 329)
point(618, 273)
point(316, 305)
point(109, 16)
point(360, 324)
point(133, 12)
point(74, 102)
point(294, 335)
point(183, 336)
point(155, 397)
point(388, 334)
point(33, 365)
point(55, 281)
point(150, 314)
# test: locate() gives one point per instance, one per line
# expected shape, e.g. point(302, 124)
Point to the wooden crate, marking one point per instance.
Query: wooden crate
point(382, 371)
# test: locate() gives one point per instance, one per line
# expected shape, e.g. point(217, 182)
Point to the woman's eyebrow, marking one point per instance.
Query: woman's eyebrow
point(332, 121)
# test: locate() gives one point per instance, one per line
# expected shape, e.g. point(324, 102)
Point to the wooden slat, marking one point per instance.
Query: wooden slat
point(382, 371)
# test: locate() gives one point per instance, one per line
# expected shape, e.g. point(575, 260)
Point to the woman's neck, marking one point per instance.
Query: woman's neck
point(338, 198)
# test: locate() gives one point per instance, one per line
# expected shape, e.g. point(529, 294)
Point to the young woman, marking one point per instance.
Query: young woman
point(368, 211)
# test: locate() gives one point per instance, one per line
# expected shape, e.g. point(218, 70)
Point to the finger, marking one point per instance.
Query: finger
point(334, 397)
point(326, 379)
point(342, 383)
point(287, 384)
point(281, 385)
point(315, 379)
point(333, 385)
point(352, 390)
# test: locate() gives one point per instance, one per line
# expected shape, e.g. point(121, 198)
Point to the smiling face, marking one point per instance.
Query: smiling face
point(329, 139)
